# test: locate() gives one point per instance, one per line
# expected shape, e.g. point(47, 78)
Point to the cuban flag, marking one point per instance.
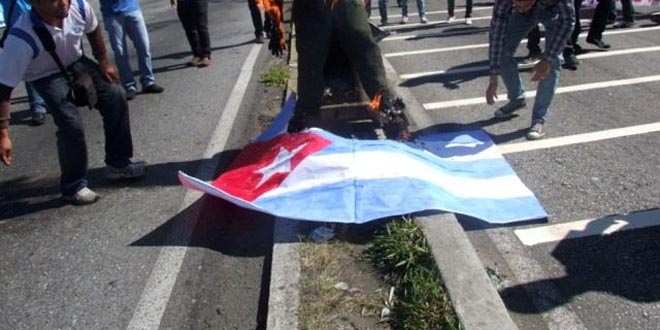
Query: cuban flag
point(318, 176)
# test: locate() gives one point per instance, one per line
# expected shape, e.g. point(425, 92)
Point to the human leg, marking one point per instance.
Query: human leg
point(382, 8)
point(37, 105)
point(137, 32)
point(185, 13)
point(598, 24)
point(115, 26)
point(201, 15)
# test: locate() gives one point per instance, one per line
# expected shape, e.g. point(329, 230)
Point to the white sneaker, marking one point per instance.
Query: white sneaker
point(404, 19)
point(84, 196)
point(468, 20)
point(451, 19)
point(423, 19)
point(131, 171)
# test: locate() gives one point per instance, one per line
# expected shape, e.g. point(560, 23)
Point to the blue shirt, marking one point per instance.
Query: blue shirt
point(20, 7)
point(112, 7)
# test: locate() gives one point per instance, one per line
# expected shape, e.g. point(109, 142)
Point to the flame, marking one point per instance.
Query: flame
point(374, 104)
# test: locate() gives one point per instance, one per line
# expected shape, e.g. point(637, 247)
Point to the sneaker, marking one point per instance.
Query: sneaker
point(84, 196)
point(536, 132)
point(195, 61)
point(451, 19)
point(468, 20)
point(38, 119)
point(508, 109)
point(423, 19)
point(598, 42)
point(204, 62)
point(153, 89)
point(571, 62)
point(532, 58)
point(133, 170)
point(259, 39)
point(404, 19)
point(130, 93)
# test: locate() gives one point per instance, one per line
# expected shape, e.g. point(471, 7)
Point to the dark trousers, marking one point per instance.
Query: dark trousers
point(316, 23)
point(572, 44)
point(71, 146)
point(599, 21)
point(256, 18)
point(534, 40)
point(451, 4)
point(194, 18)
point(628, 11)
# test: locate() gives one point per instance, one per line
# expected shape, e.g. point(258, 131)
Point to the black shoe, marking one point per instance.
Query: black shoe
point(153, 89)
point(259, 39)
point(577, 49)
point(599, 43)
point(130, 94)
point(624, 24)
point(571, 62)
point(38, 119)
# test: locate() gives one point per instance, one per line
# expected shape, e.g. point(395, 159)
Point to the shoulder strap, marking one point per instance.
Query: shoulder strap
point(9, 15)
point(49, 44)
point(81, 9)
point(20, 34)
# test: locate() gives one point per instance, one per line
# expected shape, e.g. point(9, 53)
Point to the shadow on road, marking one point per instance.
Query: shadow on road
point(480, 124)
point(622, 264)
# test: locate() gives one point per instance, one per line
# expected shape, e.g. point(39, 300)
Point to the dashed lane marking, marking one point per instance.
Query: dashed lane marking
point(579, 138)
point(430, 23)
point(483, 68)
point(434, 12)
point(592, 227)
point(485, 45)
point(560, 90)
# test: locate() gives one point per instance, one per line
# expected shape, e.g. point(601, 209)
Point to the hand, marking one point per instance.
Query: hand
point(109, 71)
point(541, 70)
point(277, 43)
point(5, 147)
point(491, 91)
point(523, 6)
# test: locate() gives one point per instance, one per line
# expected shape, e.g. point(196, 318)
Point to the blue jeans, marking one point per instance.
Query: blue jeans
point(518, 27)
point(37, 103)
point(131, 25)
point(382, 7)
point(71, 145)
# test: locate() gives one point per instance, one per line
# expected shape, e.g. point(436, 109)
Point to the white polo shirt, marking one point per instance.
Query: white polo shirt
point(24, 58)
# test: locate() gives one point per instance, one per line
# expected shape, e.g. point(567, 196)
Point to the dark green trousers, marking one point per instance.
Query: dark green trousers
point(316, 23)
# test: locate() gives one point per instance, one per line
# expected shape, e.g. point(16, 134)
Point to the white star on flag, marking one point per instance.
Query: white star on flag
point(281, 164)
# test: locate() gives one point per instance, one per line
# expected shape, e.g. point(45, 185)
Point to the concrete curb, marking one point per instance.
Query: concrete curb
point(473, 295)
point(284, 290)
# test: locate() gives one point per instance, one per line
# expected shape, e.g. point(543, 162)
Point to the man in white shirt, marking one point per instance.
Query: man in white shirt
point(25, 58)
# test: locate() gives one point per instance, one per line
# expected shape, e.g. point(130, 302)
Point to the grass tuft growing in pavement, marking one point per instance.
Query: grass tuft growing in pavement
point(276, 76)
point(400, 251)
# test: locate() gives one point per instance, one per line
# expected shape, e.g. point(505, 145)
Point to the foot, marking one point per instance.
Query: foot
point(508, 109)
point(153, 89)
point(204, 62)
point(598, 42)
point(130, 93)
point(536, 131)
point(134, 170)
point(577, 49)
point(571, 62)
point(38, 119)
point(468, 20)
point(451, 19)
point(655, 17)
point(423, 19)
point(383, 22)
point(195, 61)
point(259, 39)
point(404, 19)
point(84, 196)
point(532, 58)
point(624, 24)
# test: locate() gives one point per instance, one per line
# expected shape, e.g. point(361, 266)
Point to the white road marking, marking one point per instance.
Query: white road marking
point(430, 23)
point(482, 68)
point(579, 138)
point(485, 45)
point(377, 17)
point(560, 90)
point(156, 294)
point(592, 227)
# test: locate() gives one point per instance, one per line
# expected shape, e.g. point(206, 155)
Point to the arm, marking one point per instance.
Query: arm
point(498, 24)
point(101, 55)
point(566, 22)
point(5, 141)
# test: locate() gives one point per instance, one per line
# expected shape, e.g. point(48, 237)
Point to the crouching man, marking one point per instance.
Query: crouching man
point(44, 47)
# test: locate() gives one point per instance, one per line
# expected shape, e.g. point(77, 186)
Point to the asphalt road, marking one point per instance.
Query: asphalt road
point(67, 267)
point(596, 281)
